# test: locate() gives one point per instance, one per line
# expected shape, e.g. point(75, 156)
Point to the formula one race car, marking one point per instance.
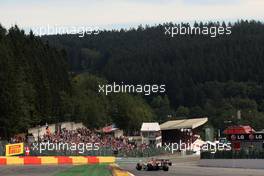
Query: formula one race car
point(154, 165)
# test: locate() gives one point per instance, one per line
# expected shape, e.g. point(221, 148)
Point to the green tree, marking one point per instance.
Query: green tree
point(161, 108)
point(182, 112)
point(130, 111)
point(90, 107)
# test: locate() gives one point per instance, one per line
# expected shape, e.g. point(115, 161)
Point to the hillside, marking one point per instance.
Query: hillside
point(33, 78)
point(204, 76)
point(36, 88)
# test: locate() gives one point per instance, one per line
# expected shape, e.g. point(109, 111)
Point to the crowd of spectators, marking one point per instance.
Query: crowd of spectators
point(85, 135)
point(105, 141)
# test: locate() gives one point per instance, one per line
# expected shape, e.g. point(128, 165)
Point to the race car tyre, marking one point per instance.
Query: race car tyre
point(138, 167)
point(165, 168)
point(156, 167)
point(149, 167)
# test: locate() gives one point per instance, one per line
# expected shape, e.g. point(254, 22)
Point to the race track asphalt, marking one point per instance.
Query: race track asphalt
point(191, 169)
point(188, 166)
point(180, 167)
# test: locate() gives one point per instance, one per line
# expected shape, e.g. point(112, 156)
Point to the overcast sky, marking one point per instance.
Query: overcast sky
point(124, 13)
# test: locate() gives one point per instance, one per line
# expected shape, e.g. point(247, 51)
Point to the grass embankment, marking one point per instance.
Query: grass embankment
point(87, 170)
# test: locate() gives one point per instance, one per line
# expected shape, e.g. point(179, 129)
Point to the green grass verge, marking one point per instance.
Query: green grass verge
point(87, 170)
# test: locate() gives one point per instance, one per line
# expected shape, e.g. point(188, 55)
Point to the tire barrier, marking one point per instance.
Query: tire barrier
point(55, 160)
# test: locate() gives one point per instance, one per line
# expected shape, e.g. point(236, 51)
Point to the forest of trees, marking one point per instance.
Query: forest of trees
point(204, 76)
point(55, 78)
point(33, 76)
point(36, 87)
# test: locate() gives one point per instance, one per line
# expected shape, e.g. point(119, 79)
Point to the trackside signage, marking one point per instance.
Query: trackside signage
point(250, 137)
point(14, 149)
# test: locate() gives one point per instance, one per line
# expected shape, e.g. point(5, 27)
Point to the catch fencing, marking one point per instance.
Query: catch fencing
point(103, 151)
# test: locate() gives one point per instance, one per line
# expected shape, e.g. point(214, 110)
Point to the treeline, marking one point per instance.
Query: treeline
point(36, 87)
point(33, 78)
point(57, 80)
point(204, 76)
point(96, 109)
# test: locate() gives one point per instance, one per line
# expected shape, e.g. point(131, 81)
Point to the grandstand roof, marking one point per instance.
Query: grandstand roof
point(183, 123)
point(239, 130)
point(150, 127)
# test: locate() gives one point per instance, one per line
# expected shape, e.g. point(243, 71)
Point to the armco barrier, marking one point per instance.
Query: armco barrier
point(233, 163)
point(46, 160)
